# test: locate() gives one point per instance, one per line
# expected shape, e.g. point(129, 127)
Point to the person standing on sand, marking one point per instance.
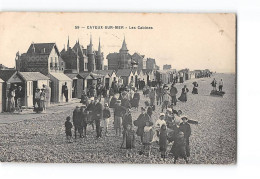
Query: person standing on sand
point(173, 93)
point(214, 84)
point(184, 92)
point(65, 91)
point(220, 85)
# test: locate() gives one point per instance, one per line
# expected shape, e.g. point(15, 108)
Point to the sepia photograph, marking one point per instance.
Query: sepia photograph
point(118, 88)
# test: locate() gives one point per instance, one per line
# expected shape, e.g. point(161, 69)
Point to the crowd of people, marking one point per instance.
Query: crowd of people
point(172, 127)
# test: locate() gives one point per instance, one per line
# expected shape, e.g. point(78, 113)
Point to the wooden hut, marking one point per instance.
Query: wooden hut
point(126, 75)
point(77, 84)
point(11, 79)
point(57, 81)
point(32, 80)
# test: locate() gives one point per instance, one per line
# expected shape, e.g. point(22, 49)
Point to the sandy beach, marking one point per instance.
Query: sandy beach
point(213, 140)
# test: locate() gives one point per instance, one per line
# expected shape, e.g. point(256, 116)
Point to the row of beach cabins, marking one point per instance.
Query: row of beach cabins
point(79, 82)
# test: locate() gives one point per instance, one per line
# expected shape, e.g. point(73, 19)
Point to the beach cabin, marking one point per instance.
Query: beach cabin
point(11, 79)
point(142, 76)
point(162, 76)
point(77, 84)
point(57, 81)
point(32, 80)
point(127, 76)
point(108, 77)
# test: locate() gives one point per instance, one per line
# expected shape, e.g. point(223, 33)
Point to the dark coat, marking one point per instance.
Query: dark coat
point(77, 119)
point(185, 128)
point(173, 91)
point(106, 113)
point(135, 100)
point(125, 103)
point(119, 111)
point(91, 107)
point(112, 103)
point(127, 119)
point(98, 111)
point(163, 140)
point(68, 126)
point(140, 123)
point(150, 111)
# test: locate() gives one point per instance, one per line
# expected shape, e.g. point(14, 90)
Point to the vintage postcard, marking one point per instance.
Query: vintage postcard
point(153, 88)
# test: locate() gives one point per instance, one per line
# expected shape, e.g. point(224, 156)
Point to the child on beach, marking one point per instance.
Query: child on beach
point(147, 138)
point(68, 126)
point(106, 117)
point(128, 140)
point(180, 147)
point(163, 141)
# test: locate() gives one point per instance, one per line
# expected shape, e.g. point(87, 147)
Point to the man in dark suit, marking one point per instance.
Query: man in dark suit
point(65, 91)
point(98, 116)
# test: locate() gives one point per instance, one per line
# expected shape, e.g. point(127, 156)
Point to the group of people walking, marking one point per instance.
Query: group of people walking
point(171, 127)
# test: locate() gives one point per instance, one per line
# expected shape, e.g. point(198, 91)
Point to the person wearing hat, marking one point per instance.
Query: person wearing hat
point(147, 138)
point(185, 128)
point(106, 117)
point(43, 101)
point(118, 115)
point(173, 93)
point(125, 101)
point(89, 110)
point(65, 91)
point(112, 103)
point(169, 117)
point(135, 100)
point(140, 123)
point(178, 147)
point(195, 88)
point(77, 123)
point(98, 116)
point(184, 92)
point(158, 125)
point(127, 119)
point(166, 100)
point(37, 98)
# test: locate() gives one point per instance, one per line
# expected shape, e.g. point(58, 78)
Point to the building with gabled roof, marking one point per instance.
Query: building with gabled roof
point(127, 76)
point(57, 81)
point(121, 60)
point(40, 57)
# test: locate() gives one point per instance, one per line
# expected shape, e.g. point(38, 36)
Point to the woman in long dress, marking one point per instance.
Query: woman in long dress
point(184, 92)
point(12, 100)
point(43, 101)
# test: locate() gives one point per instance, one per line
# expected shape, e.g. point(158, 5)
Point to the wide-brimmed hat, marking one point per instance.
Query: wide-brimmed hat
point(184, 117)
point(169, 109)
point(162, 114)
point(92, 98)
point(118, 101)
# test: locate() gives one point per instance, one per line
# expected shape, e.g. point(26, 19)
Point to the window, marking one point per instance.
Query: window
point(56, 64)
point(85, 65)
point(62, 63)
point(51, 64)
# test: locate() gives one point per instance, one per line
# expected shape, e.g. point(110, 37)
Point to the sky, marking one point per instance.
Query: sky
point(194, 41)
